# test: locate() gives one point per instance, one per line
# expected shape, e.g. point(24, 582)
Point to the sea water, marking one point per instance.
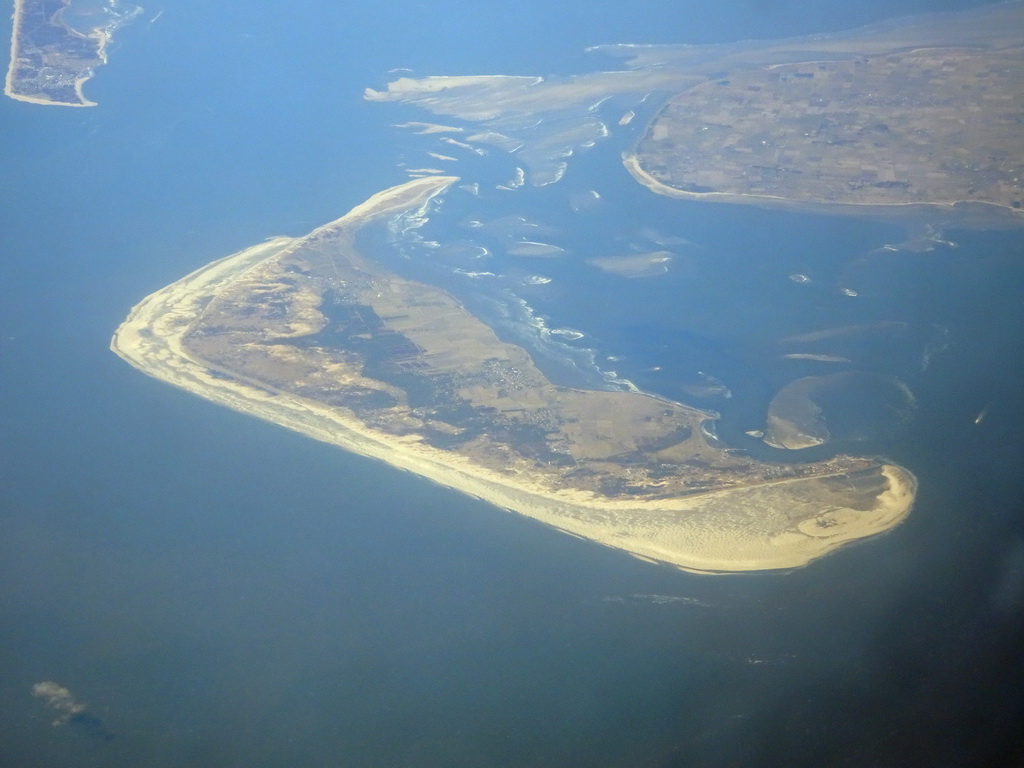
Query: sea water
point(220, 592)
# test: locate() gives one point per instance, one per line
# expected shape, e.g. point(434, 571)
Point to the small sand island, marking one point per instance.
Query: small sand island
point(311, 334)
point(50, 58)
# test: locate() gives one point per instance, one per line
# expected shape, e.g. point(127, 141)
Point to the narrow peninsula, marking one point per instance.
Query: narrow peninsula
point(311, 334)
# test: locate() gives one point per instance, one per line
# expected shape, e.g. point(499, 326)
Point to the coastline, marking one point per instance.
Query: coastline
point(12, 63)
point(99, 34)
point(709, 533)
point(1004, 214)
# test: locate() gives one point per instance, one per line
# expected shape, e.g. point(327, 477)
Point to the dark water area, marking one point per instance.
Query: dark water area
point(218, 591)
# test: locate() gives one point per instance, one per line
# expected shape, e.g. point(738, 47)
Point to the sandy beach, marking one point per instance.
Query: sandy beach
point(964, 209)
point(766, 526)
point(12, 69)
point(12, 64)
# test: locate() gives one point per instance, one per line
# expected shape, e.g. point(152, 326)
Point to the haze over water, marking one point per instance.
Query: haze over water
point(221, 592)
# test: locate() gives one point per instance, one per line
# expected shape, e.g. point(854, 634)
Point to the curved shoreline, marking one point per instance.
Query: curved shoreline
point(881, 210)
point(707, 533)
point(99, 35)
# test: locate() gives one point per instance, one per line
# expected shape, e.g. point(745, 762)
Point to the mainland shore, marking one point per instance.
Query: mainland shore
point(709, 533)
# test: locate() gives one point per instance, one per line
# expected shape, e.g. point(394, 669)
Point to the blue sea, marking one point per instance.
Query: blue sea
point(220, 592)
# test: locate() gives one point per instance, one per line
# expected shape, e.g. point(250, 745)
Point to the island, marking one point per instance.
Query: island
point(919, 116)
point(51, 58)
point(913, 118)
point(312, 334)
point(933, 126)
